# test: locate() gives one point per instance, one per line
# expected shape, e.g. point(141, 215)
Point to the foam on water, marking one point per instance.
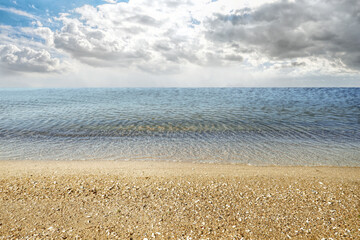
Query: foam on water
point(286, 126)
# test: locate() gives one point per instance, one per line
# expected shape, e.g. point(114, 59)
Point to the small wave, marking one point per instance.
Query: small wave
point(255, 126)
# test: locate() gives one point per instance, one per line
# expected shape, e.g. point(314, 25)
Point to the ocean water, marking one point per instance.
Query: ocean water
point(257, 126)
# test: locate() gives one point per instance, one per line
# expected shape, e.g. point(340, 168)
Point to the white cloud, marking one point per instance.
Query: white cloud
point(15, 59)
point(18, 12)
point(36, 38)
point(44, 33)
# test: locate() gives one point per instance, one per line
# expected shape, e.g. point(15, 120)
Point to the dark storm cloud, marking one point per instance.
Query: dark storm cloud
point(283, 30)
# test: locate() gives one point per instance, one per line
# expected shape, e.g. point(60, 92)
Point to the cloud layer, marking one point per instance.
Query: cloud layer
point(297, 38)
point(145, 35)
point(290, 30)
point(171, 33)
point(26, 59)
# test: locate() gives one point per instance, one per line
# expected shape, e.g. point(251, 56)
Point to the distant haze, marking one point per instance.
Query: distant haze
point(183, 43)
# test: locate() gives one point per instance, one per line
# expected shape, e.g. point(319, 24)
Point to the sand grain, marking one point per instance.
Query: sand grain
point(155, 200)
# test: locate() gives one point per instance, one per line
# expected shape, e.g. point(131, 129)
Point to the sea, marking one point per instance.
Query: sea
point(253, 126)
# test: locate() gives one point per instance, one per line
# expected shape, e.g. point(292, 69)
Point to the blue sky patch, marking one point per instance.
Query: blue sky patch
point(41, 9)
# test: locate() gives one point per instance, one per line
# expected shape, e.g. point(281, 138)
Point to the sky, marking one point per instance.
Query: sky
point(180, 43)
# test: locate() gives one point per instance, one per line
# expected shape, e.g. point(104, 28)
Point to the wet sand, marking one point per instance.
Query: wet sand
point(161, 200)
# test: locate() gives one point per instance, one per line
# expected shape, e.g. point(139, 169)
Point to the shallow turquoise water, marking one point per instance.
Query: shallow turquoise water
point(259, 126)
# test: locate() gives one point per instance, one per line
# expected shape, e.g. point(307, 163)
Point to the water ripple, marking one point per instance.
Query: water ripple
point(248, 125)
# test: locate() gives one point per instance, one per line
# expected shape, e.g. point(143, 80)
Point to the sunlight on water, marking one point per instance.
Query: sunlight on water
point(287, 126)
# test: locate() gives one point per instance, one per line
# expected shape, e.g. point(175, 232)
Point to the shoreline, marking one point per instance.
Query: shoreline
point(166, 168)
point(151, 199)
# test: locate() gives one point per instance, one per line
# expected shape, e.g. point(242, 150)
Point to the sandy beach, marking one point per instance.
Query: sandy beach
point(163, 200)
